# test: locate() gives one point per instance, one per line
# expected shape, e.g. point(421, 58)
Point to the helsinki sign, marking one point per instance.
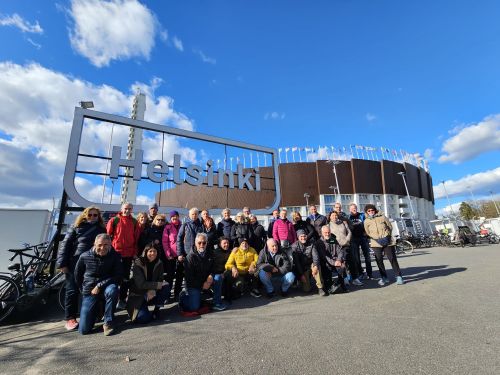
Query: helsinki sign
point(158, 171)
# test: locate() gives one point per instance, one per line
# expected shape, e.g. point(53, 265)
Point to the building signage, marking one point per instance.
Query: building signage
point(158, 171)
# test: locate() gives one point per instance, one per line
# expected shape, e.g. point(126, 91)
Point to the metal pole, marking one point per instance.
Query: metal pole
point(448, 199)
point(495, 203)
point(408, 195)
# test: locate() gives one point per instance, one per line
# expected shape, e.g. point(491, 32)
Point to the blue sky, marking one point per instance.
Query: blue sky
point(420, 76)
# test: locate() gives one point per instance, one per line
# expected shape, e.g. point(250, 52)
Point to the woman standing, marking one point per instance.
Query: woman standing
point(153, 234)
point(147, 286)
point(379, 229)
point(209, 229)
point(78, 239)
point(173, 268)
point(241, 229)
point(340, 229)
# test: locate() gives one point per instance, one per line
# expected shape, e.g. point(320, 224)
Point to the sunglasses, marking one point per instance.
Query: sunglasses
point(201, 242)
point(93, 215)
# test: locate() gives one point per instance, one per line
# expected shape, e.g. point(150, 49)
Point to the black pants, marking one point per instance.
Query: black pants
point(390, 253)
point(127, 267)
point(235, 287)
point(356, 243)
point(353, 261)
point(328, 274)
point(174, 270)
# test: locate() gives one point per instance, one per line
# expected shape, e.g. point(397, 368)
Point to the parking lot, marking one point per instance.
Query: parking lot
point(444, 320)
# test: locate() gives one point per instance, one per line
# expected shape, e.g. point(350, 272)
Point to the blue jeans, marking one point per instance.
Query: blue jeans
point(88, 313)
point(71, 297)
point(144, 315)
point(286, 280)
point(218, 283)
point(191, 300)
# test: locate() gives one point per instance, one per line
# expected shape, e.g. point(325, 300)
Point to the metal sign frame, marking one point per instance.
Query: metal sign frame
point(74, 152)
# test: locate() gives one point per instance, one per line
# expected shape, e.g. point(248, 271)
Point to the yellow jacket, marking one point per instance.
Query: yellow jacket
point(242, 259)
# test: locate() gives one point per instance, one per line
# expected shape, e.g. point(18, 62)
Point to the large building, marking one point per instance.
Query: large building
point(381, 183)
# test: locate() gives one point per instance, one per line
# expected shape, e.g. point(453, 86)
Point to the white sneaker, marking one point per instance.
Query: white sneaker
point(357, 282)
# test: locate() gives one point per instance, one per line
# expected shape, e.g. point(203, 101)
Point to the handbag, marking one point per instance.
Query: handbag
point(384, 241)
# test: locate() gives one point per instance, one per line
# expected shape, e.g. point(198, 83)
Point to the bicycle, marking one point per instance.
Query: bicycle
point(29, 283)
point(403, 246)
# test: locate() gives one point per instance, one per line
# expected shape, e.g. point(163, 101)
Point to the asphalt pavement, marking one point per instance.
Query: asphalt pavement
point(444, 320)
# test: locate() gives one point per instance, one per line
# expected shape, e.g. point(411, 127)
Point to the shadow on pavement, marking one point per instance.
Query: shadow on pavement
point(412, 274)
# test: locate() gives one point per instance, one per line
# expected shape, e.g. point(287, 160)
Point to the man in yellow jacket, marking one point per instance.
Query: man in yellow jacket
point(242, 263)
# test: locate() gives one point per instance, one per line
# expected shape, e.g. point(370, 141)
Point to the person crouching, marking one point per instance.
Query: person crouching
point(148, 287)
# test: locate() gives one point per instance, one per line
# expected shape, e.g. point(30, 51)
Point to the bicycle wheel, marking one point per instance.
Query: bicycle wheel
point(9, 293)
point(406, 247)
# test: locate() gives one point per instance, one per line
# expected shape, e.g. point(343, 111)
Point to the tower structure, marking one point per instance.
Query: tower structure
point(129, 186)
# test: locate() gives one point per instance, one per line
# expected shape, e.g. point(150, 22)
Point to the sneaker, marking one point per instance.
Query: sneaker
point(71, 325)
point(322, 293)
point(255, 293)
point(386, 280)
point(269, 295)
point(399, 280)
point(219, 307)
point(189, 314)
point(121, 305)
point(357, 282)
point(381, 282)
point(108, 329)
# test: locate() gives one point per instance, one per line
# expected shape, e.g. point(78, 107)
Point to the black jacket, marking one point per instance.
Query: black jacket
point(211, 235)
point(197, 268)
point(325, 253)
point(317, 222)
point(76, 242)
point(93, 270)
point(186, 235)
point(220, 260)
point(224, 228)
point(280, 261)
point(240, 230)
point(151, 234)
point(259, 237)
point(358, 228)
point(307, 227)
point(302, 255)
point(270, 228)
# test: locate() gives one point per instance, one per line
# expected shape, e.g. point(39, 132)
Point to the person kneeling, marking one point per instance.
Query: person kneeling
point(243, 264)
point(198, 273)
point(147, 287)
point(98, 273)
point(274, 264)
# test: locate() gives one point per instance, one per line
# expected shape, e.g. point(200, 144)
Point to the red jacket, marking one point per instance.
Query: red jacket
point(284, 230)
point(125, 234)
point(169, 239)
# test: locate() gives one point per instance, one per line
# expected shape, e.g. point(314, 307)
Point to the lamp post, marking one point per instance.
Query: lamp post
point(86, 104)
point(334, 164)
point(402, 174)
point(476, 205)
point(495, 203)
point(448, 199)
point(307, 196)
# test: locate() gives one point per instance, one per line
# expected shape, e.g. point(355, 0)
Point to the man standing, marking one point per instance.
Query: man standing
point(225, 225)
point(125, 232)
point(359, 239)
point(187, 234)
point(274, 264)
point(276, 215)
point(153, 211)
point(98, 273)
point(316, 220)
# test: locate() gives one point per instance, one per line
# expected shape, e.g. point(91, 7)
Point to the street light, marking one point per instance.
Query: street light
point(448, 199)
point(495, 203)
point(402, 174)
point(334, 163)
point(307, 196)
point(474, 200)
point(87, 104)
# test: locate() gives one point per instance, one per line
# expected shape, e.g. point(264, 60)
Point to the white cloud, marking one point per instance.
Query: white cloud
point(205, 58)
point(428, 154)
point(178, 43)
point(17, 21)
point(478, 182)
point(370, 117)
point(448, 210)
point(35, 122)
point(103, 31)
point(274, 115)
point(472, 140)
point(36, 45)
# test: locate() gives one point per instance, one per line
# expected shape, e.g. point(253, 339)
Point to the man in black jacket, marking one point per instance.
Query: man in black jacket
point(316, 220)
point(301, 254)
point(272, 263)
point(328, 260)
point(98, 273)
point(198, 269)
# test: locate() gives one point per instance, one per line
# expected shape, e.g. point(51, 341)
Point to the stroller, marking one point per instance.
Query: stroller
point(464, 236)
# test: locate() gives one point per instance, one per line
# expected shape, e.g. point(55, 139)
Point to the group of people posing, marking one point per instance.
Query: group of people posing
point(133, 262)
